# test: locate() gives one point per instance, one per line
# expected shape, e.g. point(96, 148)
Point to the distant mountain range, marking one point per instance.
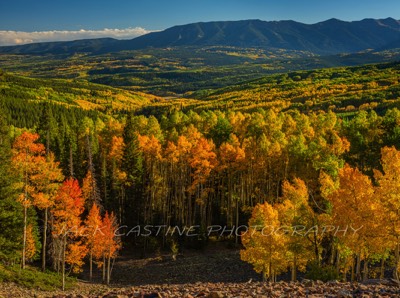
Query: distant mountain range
point(329, 37)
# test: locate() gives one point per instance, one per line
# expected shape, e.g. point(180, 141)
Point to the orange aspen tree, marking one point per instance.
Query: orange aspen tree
point(111, 242)
point(67, 224)
point(202, 161)
point(27, 154)
point(90, 191)
point(106, 244)
point(30, 243)
point(92, 229)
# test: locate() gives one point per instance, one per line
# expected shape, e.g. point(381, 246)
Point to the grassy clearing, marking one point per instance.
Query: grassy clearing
point(32, 278)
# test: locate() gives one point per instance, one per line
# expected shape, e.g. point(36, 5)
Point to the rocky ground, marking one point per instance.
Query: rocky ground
point(212, 273)
point(306, 288)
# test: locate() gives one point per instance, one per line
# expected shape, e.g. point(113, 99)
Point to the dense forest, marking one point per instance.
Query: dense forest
point(320, 150)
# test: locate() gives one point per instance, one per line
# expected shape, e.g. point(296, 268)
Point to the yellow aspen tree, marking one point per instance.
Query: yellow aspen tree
point(388, 191)
point(295, 212)
point(356, 209)
point(265, 245)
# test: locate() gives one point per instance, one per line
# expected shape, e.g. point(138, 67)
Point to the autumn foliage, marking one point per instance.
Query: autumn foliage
point(336, 176)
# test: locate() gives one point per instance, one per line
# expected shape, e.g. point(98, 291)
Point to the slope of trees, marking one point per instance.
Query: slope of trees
point(213, 168)
point(361, 224)
point(33, 186)
point(343, 90)
point(68, 171)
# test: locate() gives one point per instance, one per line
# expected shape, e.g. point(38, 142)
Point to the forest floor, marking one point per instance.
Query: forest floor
point(214, 272)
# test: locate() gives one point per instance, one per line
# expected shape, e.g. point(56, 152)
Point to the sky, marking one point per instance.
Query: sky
point(25, 21)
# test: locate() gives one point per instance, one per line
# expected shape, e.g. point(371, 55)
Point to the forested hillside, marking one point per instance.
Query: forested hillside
point(302, 148)
point(71, 93)
point(338, 89)
point(332, 36)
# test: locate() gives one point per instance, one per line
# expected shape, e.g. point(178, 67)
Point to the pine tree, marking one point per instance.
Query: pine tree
point(11, 219)
point(47, 127)
point(132, 166)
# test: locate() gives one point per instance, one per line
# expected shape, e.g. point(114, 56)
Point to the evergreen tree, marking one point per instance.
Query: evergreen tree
point(10, 209)
point(132, 166)
point(47, 129)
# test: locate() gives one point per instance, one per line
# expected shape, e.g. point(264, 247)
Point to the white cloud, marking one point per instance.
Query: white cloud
point(21, 37)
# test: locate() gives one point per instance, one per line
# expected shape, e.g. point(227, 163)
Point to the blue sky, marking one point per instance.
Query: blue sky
point(140, 16)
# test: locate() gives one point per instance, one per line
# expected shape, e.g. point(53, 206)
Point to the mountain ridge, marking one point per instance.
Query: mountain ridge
point(332, 36)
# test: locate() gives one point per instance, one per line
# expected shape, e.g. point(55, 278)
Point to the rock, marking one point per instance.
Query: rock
point(312, 290)
point(392, 282)
point(111, 295)
point(307, 282)
point(362, 287)
point(152, 295)
point(215, 295)
point(333, 282)
point(344, 294)
point(300, 291)
point(373, 281)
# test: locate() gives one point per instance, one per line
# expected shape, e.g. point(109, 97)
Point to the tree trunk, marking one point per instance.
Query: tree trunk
point(237, 221)
point(352, 270)
point(71, 162)
point(264, 276)
point(25, 219)
point(59, 258)
point(338, 262)
point(104, 269)
point(396, 264)
point(365, 270)
point(48, 142)
point(63, 263)
point(332, 256)
point(294, 268)
point(358, 268)
point(108, 270)
point(24, 239)
point(382, 275)
point(90, 266)
point(44, 239)
point(316, 251)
